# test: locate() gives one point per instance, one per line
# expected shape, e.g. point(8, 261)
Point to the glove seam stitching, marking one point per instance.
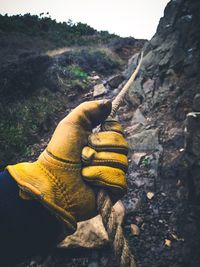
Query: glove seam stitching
point(110, 160)
point(57, 183)
point(122, 167)
point(59, 165)
point(111, 148)
point(101, 175)
point(63, 160)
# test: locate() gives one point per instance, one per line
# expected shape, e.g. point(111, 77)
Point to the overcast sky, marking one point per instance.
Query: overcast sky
point(137, 18)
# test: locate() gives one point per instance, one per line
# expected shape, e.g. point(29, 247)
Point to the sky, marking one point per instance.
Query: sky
point(136, 18)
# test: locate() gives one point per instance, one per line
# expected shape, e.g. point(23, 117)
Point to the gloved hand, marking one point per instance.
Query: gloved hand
point(56, 178)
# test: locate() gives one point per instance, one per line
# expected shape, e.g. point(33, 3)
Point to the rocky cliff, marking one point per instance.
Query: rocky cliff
point(169, 85)
point(164, 132)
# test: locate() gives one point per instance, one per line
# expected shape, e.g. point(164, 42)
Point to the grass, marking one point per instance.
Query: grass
point(23, 122)
point(76, 72)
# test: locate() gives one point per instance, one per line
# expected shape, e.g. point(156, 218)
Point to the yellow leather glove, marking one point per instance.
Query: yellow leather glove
point(56, 178)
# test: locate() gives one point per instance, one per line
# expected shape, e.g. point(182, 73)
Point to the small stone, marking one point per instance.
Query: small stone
point(137, 157)
point(150, 195)
point(139, 220)
point(143, 226)
point(135, 230)
point(99, 90)
point(132, 204)
point(168, 243)
point(95, 78)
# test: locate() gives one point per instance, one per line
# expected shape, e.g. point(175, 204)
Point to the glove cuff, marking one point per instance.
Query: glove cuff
point(33, 179)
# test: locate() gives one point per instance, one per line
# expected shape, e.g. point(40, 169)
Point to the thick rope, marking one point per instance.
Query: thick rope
point(122, 254)
point(120, 97)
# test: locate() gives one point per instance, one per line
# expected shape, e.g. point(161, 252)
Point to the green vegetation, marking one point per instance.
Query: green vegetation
point(101, 60)
point(58, 33)
point(146, 162)
point(23, 123)
point(76, 72)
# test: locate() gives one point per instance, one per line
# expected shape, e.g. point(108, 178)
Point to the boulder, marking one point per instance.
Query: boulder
point(91, 233)
point(115, 80)
point(146, 140)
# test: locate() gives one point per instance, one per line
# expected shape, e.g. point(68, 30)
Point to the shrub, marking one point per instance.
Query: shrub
point(99, 60)
point(76, 72)
point(59, 33)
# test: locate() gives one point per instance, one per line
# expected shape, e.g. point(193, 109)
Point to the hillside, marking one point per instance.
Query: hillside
point(44, 64)
point(22, 36)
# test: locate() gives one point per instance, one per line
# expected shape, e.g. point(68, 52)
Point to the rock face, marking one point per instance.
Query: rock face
point(167, 88)
point(167, 93)
point(171, 61)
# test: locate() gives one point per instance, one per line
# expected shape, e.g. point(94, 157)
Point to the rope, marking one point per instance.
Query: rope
point(119, 245)
point(122, 254)
point(120, 97)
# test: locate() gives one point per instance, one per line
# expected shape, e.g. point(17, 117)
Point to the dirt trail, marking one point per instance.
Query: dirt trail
point(59, 51)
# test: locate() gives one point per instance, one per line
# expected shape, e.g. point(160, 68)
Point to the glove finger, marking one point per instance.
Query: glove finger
point(90, 157)
point(89, 114)
point(112, 125)
point(111, 178)
point(108, 141)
